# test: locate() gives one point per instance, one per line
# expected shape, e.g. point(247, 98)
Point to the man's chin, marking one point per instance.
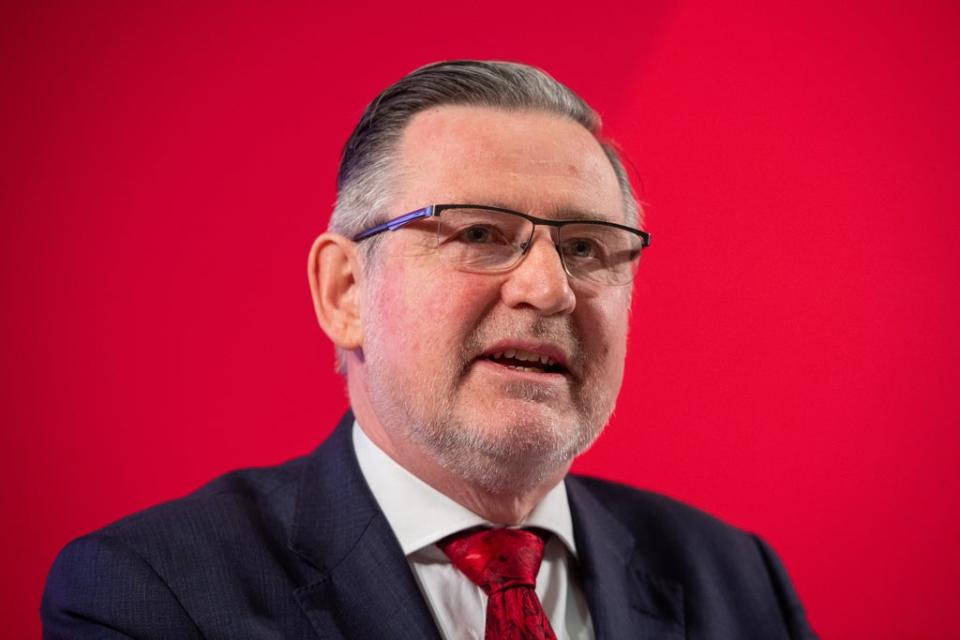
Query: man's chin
point(505, 469)
point(509, 452)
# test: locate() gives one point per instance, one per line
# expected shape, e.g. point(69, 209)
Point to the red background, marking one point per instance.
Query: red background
point(794, 358)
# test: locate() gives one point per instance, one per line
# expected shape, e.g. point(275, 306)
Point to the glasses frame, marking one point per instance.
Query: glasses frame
point(433, 210)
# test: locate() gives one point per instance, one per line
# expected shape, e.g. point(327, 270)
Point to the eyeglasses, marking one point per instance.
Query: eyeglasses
point(483, 239)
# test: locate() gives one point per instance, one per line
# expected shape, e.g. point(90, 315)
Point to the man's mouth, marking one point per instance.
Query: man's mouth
point(528, 361)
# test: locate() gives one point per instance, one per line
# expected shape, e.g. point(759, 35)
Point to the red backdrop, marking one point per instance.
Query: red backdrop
point(794, 356)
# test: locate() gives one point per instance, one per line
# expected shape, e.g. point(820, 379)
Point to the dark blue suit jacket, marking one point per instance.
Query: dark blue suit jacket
point(303, 551)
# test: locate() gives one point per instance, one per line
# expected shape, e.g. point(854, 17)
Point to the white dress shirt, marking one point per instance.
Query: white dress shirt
point(420, 516)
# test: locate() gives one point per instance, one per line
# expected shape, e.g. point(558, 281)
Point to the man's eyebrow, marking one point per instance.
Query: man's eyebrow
point(568, 213)
point(552, 213)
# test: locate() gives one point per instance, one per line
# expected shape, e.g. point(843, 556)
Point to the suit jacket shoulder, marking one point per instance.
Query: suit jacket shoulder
point(299, 550)
point(710, 578)
point(141, 576)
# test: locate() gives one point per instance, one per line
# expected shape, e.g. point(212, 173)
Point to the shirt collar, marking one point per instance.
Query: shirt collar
point(420, 515)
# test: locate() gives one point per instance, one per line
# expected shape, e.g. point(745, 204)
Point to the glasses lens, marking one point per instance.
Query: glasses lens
point(481, 240)
point(599, 253)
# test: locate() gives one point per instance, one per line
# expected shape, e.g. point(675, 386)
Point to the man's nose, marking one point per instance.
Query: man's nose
point(540, 281)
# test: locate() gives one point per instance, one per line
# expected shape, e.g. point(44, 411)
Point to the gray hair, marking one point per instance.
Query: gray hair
point(366, 166)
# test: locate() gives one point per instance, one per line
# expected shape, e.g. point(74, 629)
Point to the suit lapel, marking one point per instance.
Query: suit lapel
point(624, 599)
point(364, 587)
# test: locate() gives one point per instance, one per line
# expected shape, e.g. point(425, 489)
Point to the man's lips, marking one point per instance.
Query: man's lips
point(532, 357)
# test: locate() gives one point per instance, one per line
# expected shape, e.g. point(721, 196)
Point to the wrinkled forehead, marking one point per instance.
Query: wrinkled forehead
point(531, 161)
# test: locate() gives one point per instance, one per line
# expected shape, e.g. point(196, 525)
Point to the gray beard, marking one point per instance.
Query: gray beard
point(501, 466)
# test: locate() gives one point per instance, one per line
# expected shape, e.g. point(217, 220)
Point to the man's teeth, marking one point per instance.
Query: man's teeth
point(525, 356)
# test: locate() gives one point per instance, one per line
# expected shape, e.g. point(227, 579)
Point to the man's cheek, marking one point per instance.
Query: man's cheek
point(392, 311)
point(445, 314)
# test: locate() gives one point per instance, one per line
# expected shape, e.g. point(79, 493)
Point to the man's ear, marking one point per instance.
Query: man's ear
point(334, 273)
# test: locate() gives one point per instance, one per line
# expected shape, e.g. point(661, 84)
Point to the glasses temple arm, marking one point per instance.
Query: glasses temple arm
point(396, 223)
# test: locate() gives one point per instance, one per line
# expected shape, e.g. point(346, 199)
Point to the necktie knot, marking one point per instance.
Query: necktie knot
point(496, 559)
point(504, 563)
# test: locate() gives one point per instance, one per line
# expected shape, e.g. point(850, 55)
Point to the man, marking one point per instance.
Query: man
point(476, 281)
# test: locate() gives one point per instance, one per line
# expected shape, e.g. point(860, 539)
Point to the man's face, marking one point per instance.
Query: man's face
point(431, 332)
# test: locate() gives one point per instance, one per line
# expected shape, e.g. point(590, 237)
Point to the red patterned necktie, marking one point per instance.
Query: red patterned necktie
point(504, 563)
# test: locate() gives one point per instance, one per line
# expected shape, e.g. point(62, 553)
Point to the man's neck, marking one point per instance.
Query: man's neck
point(506, 507)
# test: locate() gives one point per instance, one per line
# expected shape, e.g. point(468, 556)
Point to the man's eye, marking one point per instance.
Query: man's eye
point(479, 235)
point(583, 248)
